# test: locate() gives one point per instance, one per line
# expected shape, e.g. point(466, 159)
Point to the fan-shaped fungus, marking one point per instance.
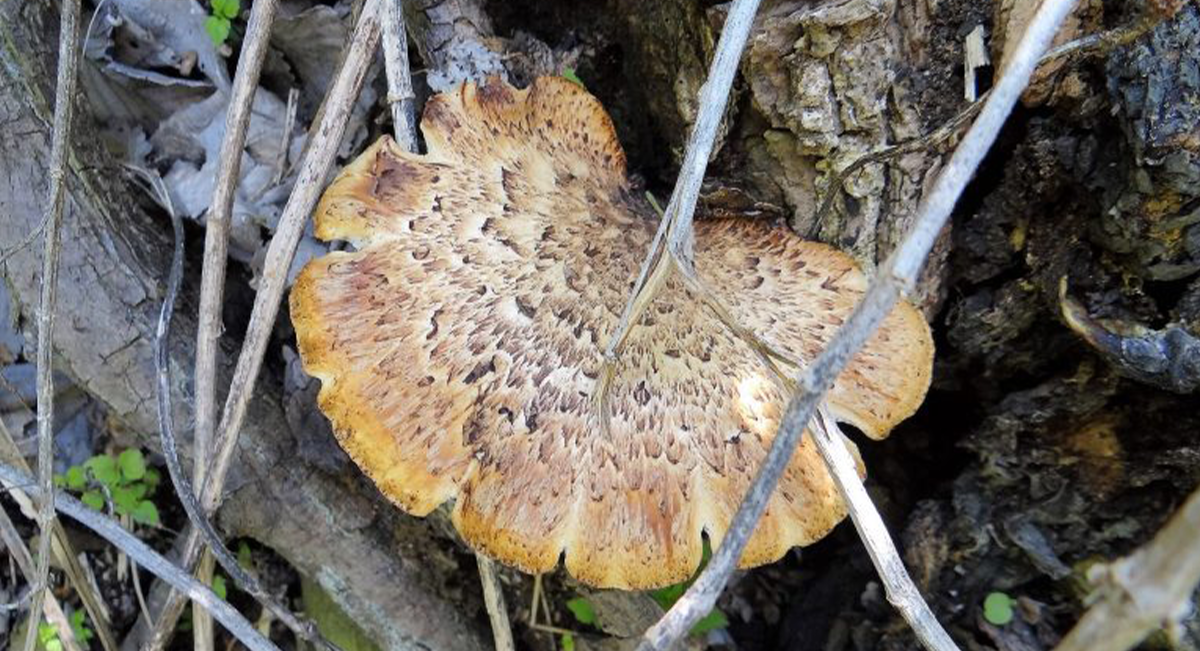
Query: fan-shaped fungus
point(460, 345)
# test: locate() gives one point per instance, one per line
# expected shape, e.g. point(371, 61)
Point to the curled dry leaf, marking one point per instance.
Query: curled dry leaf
point(459, 347)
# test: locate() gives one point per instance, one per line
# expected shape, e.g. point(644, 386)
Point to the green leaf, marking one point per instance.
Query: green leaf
point(104, 469)
point(79, 627)
point(145, 513)
point(666, 597)
point(47, 632)
point(124, 499)
point(998, 608)
point(133, 464)
point(76, 478)
point(226, 8)
point(219, 587)
point(569, 75)
point(583, 611)
point(217, 28)
point(568, 642)
point(94, 499)
point(710, 622)
point(152, 479)
point(244, 557)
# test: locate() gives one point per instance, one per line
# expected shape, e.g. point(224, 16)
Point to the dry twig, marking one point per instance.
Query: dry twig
point(493, 597)
point(897, 273)
point(151, 560)
point(318, 159)
point(64, 104)
point(1146, 591)
point(216, 245)
point(399, 80)
point(183, 488)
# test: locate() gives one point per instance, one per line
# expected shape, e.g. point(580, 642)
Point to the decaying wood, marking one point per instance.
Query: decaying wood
point(291, 491)
point(1148, 590)
point(452, 36)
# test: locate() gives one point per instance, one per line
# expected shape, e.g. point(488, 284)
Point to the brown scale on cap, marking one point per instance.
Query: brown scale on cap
point(460, 346)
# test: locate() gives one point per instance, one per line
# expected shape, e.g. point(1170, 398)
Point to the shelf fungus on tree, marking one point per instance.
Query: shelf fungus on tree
point(459, 346)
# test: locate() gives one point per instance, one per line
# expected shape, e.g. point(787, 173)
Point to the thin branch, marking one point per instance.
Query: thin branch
point(399, 80)
point(675, 229)
point(1146, 591)
point(901, 591)
point(898, 272)
point(216, 236)
point(216, 245)
point(113, 532)
point(493, 598)
point(162, 365)
point(318, 159)
point(64, 104)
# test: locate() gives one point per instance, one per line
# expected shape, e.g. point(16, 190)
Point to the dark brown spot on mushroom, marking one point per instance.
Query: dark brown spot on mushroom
point(524, 307)
point(641, 394)
point(434, 324)
point(481, 369)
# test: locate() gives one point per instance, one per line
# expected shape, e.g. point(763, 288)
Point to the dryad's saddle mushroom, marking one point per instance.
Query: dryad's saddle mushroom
point(459, 346)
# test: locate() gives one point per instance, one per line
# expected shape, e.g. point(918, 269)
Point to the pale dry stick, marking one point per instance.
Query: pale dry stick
point(318, 159)
point(898, 272)
point(672, 241)
point(63, 550)
point(216, 235)
point(285, 139)
point(901, 590)
point(400, 100)
point(1145, 591)
point(19, 552)
point(162, 366)
point(64, 104)
point(216, 252)
point(149, 559)
point(675, 231)
point(493, 598)
point(399, 80)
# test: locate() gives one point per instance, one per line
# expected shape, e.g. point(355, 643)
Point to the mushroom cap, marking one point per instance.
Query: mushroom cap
point(459, 346)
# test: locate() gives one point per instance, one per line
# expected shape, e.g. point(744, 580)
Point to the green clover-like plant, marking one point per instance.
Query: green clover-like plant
point(125, 477)
point(219, 23)
point(998, 608)
point(666, 597)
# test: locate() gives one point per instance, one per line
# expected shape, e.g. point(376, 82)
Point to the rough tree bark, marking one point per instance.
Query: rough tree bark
point(293, 490)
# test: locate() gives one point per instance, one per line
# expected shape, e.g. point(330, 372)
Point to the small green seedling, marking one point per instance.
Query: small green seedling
point(583, 611)
point(48, 637)
point(998, 608)
point(219, 587)
point(569, 75)
point(83, 633)
point(125, 477)
point(220, 21)
point(666, 597)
